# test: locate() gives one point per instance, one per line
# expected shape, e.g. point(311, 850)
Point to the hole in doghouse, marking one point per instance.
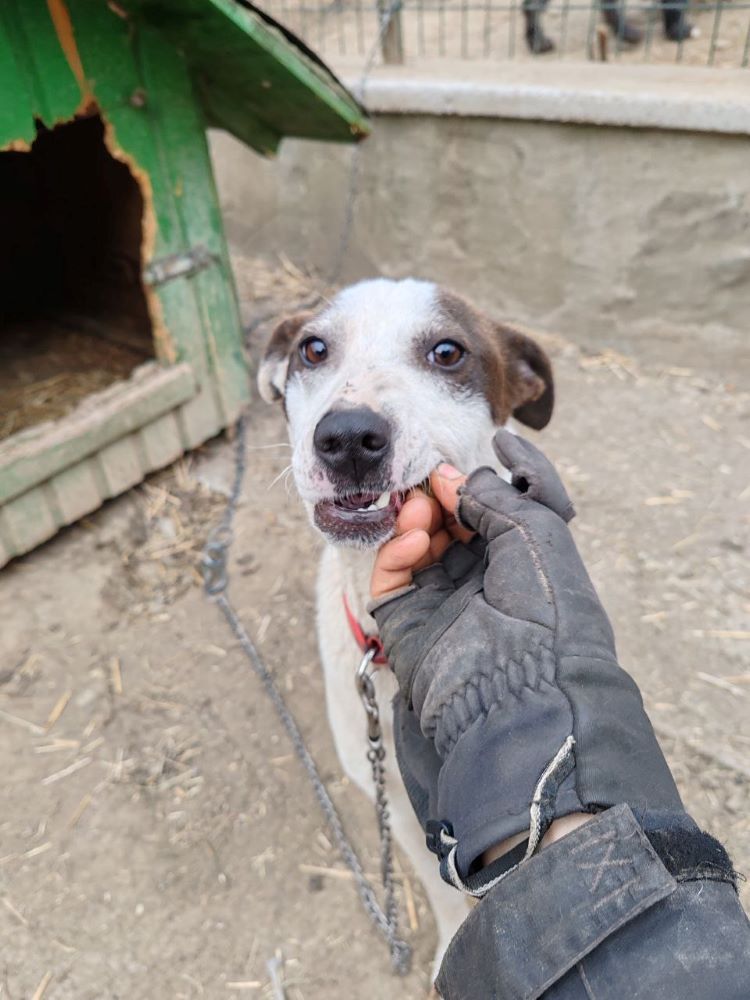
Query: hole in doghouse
point(73, 312)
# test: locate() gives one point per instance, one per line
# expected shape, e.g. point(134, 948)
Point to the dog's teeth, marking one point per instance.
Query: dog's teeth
point(382, 502)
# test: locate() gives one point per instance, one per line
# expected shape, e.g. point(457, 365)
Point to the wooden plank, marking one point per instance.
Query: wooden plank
point(249, 73)
point(161, 442)
point(16, 79)
point(56, 94)
point(35, 455)
point(28, 520)
point(120, 465)
point(105, 43)
point(76, 491)
point(5, 552)
point(36, 515)
point(215, 334)
point(200, 419)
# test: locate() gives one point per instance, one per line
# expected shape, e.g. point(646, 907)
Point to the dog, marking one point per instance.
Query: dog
point(380, 386)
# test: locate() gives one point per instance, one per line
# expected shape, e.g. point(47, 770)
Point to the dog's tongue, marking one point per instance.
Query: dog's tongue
point(357, 501)
point(369, 503)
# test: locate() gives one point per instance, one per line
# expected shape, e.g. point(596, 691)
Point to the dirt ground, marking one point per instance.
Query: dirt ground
point(159, 840)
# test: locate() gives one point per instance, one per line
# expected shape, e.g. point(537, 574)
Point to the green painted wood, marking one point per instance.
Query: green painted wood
point(165, 137)
point(247, 73)
point(106, 43)
point(140, 132)
point(35, 455)
point(119, 465)
point(186, 161)
point(160, 76)
point(27, 521)
point(55, 93)
point(16, 81)
point(36, 514)
point(250, 79)
point(6, 554)
point(161, 441)
point(75, 492)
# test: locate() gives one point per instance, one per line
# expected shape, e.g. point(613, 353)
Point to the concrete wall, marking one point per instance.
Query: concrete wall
point(627, 237)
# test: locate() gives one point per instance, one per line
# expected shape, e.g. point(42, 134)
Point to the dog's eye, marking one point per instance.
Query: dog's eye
point(313, 351)
point(447, 354)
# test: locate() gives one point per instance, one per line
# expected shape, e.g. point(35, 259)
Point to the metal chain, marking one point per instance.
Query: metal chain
point(376, 757)
point(216, 581)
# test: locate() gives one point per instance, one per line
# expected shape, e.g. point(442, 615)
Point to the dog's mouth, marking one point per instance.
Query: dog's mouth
point(363, 518)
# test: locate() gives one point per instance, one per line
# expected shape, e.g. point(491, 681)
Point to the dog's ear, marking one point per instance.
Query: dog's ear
point(528, 378)
point(275, 363)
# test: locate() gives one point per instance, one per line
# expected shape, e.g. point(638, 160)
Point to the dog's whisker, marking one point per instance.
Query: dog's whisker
point(289, 483)
point(262, 447)
point(287, 469)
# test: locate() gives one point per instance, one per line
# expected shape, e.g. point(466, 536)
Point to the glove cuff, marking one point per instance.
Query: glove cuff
point(378, 603)
point(617, 877)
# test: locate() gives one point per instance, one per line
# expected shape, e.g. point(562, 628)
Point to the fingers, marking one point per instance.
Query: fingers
point(445, 482)
point(425, 528)
point(425, 513)
point(532, 472)
point(396, 561)
point(419, 511)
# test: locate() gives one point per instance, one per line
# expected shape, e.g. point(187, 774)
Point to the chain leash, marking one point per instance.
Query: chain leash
point(376, 757)
point(216, 582)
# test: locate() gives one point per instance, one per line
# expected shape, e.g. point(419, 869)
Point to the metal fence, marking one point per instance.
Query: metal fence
point(625, 31)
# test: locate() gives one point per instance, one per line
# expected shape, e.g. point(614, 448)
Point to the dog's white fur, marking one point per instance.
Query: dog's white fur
point(371, 330)
point(373, 326)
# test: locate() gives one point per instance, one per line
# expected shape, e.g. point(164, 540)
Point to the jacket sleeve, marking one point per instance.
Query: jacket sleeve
point(607, 912)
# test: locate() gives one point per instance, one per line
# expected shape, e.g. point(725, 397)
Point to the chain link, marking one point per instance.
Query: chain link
point(376, 757)
point(216, 582)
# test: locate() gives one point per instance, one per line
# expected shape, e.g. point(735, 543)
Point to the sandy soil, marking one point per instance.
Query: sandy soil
point(159, 840)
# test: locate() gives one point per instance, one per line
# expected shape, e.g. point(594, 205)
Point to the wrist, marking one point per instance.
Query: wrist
point(558, 829)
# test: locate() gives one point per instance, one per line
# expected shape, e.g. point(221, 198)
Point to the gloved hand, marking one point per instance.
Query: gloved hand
point(507, 659)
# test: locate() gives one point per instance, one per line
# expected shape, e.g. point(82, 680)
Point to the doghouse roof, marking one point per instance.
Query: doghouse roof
point(250, 75)
point(255, 78)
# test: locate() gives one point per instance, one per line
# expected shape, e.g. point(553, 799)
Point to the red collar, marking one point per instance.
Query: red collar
point(364, 641)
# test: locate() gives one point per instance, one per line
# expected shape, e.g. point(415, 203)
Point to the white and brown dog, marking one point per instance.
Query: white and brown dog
point(379, 387)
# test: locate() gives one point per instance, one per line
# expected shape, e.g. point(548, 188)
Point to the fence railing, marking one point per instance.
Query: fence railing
point(715, 33)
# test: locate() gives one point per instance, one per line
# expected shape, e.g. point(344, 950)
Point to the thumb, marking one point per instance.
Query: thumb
point(396, 560)
point(446, 482)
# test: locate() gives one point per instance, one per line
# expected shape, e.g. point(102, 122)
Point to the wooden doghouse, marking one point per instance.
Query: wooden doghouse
point(120, 340)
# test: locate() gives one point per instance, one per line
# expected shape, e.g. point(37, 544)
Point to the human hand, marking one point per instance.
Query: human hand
point(425, 527)
point(507, 659)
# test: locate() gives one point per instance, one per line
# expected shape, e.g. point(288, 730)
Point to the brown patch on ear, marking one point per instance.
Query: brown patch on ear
point(274, 366)
point(528, 378)
point(514, 373)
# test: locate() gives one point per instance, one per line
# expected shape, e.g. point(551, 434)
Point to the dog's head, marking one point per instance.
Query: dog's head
point(384, 383)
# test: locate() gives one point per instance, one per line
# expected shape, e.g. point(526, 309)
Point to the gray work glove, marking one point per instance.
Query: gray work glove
point(507, 660)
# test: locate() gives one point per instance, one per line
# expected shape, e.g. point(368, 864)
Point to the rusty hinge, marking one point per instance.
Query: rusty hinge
point(179, 265)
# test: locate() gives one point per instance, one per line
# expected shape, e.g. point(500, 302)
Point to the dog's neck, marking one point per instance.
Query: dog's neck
point(355, 568)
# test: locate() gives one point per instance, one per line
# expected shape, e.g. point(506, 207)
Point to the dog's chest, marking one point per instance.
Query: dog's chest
point(348, 573)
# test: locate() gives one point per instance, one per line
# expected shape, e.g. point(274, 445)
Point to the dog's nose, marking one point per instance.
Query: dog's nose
point(353, 443)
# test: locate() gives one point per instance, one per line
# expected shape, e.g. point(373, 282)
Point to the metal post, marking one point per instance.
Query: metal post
point(392, 39)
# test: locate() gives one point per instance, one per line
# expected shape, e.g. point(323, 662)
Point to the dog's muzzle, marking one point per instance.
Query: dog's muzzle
point(354, 445)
